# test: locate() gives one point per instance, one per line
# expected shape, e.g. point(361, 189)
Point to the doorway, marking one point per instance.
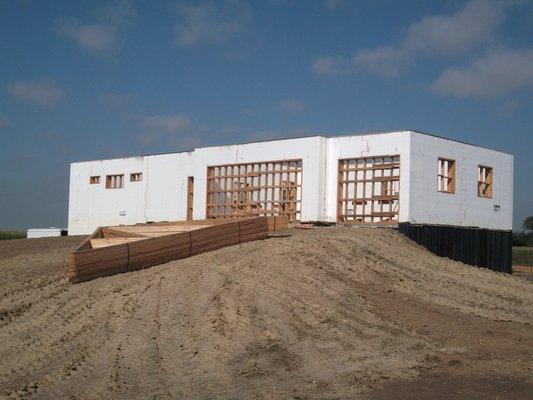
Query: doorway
point(190, 197)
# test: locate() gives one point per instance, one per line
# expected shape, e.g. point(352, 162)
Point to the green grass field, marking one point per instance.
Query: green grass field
point(5, 235)
point(523, 256)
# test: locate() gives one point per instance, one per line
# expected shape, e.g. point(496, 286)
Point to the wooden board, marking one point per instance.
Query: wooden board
point(277, 223)
point(368, 189)
point(110, 250)
point(522, 268)
point(264, 188)
point(106, 242)
point(157, 230)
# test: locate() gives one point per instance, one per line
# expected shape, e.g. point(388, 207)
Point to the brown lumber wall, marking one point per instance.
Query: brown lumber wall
point(277, 223)
point(87, 264)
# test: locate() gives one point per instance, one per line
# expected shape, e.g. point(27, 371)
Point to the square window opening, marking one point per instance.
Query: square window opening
point(136, 177)
point(484, 181)
point(446, 176)
point(114, 181)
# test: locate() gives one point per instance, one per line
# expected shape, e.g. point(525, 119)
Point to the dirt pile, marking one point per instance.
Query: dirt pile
point(325, 313)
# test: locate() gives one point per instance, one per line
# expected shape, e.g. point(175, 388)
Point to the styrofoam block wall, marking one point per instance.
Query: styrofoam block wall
point(308, 149)
point(34, 233)
point(92, 205)
point(465, 207)
point(367, 146)
point(162, 194)
point(159, 196)
point(167, 186)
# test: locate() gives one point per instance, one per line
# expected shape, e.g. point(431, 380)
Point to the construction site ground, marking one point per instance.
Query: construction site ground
point(324, 313)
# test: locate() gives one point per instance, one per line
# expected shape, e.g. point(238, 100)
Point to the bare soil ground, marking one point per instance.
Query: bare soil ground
point(329, 313)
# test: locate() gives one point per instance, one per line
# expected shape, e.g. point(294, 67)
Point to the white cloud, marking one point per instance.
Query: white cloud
point(176, 131)
point(106, 33)
point(164, 127)
point(471, 27)
point(383, 61)
point(334, 66)
point(189, 142)
point(496, 73)
point(42, 92)
point(468, 29)
point(211, 22)
point(292, 106)
point(148, 139)
point(275, 134)
point(166, 123)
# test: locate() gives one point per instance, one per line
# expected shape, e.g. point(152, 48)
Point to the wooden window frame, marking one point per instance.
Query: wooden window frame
point(94, 180)
point(368, 189)
point(446, 178)
point(260, 188)
point(110, 181)
point(134, 175)
point(485, 181)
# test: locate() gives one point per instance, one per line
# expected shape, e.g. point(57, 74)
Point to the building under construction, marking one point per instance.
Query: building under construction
point(442, 193)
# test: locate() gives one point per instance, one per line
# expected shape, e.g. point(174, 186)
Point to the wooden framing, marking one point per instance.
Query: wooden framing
point(368, 189)
point(446, 175)
point(94, 180)
point(253, 189)
point(136, 176)
point(112, 250)
point(484, 181)
point(114, 181)
point(190, 197)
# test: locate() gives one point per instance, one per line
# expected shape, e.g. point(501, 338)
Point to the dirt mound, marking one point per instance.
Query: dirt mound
point(325, 313)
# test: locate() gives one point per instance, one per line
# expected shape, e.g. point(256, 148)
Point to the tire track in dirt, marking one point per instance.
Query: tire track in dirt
point(194, 335)
point(84, 340)
point(105, 362)
point(315, 315)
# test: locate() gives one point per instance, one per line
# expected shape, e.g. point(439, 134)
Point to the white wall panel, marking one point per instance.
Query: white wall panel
point(308, 149)
point(159, 196)
point(464, 208)
point(369, 145)
point(162, 193)
point(166, 195)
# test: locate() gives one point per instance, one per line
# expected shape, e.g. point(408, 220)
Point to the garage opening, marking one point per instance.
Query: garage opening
point(368, 189)
point(255, 189)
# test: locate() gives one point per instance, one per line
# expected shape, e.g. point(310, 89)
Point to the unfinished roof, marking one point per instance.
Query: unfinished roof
point(303, 137)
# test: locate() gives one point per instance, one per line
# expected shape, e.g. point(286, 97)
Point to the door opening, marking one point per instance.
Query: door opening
point(190, 197)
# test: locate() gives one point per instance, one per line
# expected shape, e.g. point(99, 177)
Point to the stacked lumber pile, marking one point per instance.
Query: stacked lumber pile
point(112, 250)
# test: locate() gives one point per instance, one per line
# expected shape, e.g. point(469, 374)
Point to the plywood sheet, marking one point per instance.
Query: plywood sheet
point(105, 242)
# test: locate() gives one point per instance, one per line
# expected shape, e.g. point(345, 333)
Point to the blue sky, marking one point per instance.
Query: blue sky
point(90, 80)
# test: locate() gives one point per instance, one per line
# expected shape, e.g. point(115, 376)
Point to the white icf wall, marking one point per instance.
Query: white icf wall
point(162, 193)
point(310, 150)
point(396, 143)
point(464, 207)
point(34, 233)
point(166, 192)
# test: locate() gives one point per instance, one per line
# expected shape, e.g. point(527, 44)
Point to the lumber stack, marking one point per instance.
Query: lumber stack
point(277, 222)
point(112, 250)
